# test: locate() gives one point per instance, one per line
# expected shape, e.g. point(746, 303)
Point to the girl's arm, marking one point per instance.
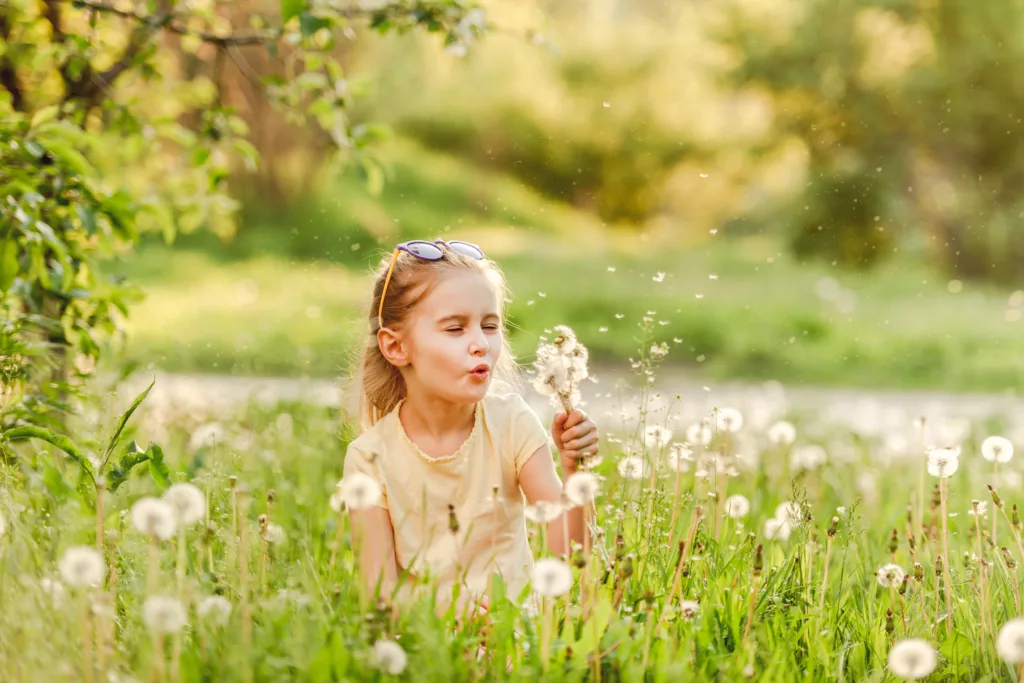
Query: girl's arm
point(374, 537)
point(539, 481)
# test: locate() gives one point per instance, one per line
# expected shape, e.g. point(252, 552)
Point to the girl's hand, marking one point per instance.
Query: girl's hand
point(575, 436)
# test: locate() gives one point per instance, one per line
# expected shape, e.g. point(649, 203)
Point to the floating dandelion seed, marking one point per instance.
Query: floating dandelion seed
point(551, 577)
point(943, 462)
point(1010, 642)
point(81, 567)
point(890, 576)
point(154, 517)
point(164, 614)
point(680, 457)
point(659, 277)
point(656, 437)
point(631, 467)
point(359, 491)
point(188, 502)
point(581, 488)
point(729, 420)
point(688, 609)
point(543, 511)
point(389, 657)
point(997, 449)
point(912, 658)
point(737, 506)
point(782, 433)
point(214, 608)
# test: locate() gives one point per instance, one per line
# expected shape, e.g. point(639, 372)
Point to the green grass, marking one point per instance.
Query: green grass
point(760, 319)
point(309, 622)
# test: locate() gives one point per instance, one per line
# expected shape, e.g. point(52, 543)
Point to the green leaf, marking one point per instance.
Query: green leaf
point(88, 218)
point(291, 8)
point(54, 481)
point(157, 469)
point(35, 149)
point(320, 667)
point(120, 472)
point(124, 420)
point(44, 115)
point(8, 264)
point(61, 442)
point(374, 176)
point(310, 24)
point(339, 653)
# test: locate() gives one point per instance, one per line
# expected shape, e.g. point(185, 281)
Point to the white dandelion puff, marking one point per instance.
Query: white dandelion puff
point(581, 488)
point(943, 462)
point(688, 609)
point(1010, 642)
point(274, 534)
point(188, 502)
point(782, 433)
point(809, 457)
point(997, 449)
point(389, 657)
point(54, 589)
point(789, 512)
point(737, 506)
point(359, 491)
point(154, 517)
point(777, 529)
point(543, 511)
point(337, 500)
point(164, 614)
point(979, 508)
point(680, 457)
point(912, 658)
point(655, 437)
point(551, 577)
point(699, 433)
point(208, 434)
point(729, 420)
point(215, 609)
point(631, 467)
point(82, 566)
point(890, 576)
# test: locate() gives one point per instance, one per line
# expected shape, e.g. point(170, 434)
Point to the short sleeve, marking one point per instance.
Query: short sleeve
point(360, 460)
point(526, 432)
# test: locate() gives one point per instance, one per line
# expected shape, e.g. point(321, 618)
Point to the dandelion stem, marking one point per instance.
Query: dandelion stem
point(158, 657)
point(920, 482)
point(750, 609)
point(995, 485)
point(154, 565)
point(243, 592)
point(824, 577)
point(337, 539)
point(88, 674)
point(545, 636)
point(945, 552)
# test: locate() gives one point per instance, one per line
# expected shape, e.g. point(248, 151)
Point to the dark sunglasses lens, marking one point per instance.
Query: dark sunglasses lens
point(467, 249)
point(425, 250)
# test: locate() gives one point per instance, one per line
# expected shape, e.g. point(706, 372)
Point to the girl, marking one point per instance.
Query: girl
point(454, 449)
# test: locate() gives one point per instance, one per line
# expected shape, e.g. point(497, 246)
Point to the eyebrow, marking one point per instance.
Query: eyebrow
point(462, 317)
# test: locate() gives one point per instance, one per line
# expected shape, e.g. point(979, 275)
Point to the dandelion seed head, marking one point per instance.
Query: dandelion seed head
point(655, 436)
point(543, 511)
point(187, 501)
point(729, 420)
point(782, 433)
point(359, 491)
point(699, 434)
point(737, 506)
point(912, 658)
point(389, 657)
point(581, 488)
point(777, 529)
point(688, 609)
point(997, 449)
point(274, 533)
point(808, 457)
point(631, 467)
point(890, 575)
point(82, 567)
point(1010, 642)
point(943, 462)
point(551, 577)
point(680, 457)
point(164, 614)
point(214, 608)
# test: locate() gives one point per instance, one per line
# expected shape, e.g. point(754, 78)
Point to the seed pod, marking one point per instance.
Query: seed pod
point(936, 498)
point(918, 572)
point(938, 566)
point(894, 542)
point(1015, 518)
point(996, 500)
point(626, 570)
point(833, 527)
point(579, 560)
point(967, 559)
point(270, 496)
point(890, 624)
point(758, 560)
point(903, 585)
point(620, 547)
point(910, 515)
point(453, 521)
point(911, 542)
point(1008, 558)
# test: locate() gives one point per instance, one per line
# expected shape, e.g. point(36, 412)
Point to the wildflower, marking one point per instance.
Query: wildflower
point(274, 533)
point(809, 457)
point(214, 608)
point(1010, 642)
point(581, 488)
point(188, 502)
point(943, 462)
point(389, 657)
point(81, 566)
point(890, 575)
point(782, 433)
point(560, 366)
point(656, 437)
point(679, 457)
point(737, 506)
point(163, 614)
point(631, 467)
point(912, 658)
point(729, 420)
point(777, 529)
point(551, 577)
point(359, 491)
point(154, 517)
point(997, 449)
point(543, 511)
point(688, 609)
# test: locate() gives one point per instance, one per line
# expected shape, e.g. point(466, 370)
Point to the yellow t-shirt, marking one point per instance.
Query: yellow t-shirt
point(418, 489)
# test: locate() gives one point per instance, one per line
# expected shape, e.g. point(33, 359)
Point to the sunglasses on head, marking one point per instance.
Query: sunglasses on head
point(427, 251)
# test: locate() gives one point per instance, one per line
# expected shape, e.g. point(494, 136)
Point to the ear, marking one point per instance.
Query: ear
point(393, 346)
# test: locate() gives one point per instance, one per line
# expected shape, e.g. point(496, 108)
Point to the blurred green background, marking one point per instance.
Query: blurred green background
point(813, 192)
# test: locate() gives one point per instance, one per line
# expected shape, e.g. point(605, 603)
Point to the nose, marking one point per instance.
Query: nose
point(478, 346)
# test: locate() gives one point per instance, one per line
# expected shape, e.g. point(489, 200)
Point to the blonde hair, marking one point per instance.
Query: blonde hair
point(381, 385)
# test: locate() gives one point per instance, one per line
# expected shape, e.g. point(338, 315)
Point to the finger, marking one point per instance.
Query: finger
point(579, 430)
point(574, 418)
point(582, 442)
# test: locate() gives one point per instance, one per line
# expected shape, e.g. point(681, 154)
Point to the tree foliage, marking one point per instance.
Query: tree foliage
point(109, 129)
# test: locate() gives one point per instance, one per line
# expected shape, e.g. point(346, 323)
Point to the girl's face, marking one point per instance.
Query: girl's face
point(454, 338)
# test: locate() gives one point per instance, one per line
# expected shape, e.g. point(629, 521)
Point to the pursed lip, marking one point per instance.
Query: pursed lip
point(482, 368)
